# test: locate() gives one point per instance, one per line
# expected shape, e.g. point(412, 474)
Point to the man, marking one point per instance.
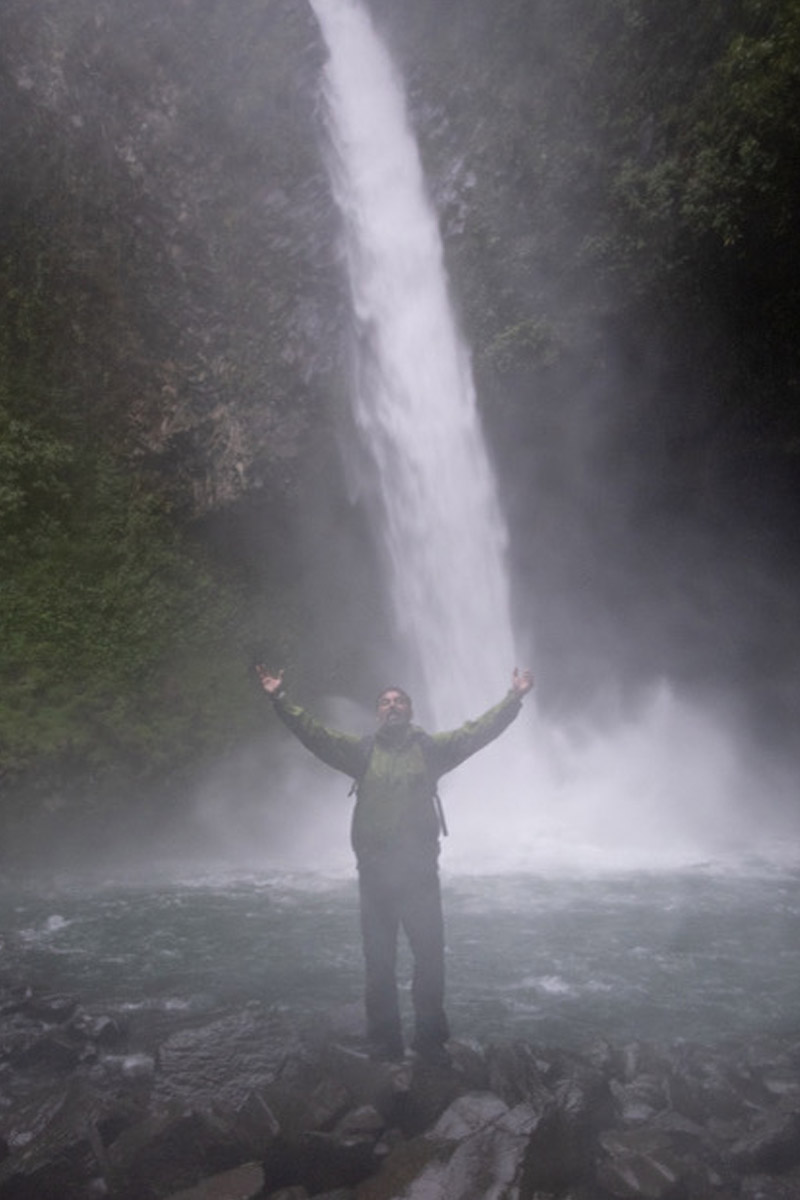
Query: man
point(395, 831)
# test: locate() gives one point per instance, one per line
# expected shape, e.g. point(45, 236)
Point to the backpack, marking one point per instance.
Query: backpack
point(367, 746)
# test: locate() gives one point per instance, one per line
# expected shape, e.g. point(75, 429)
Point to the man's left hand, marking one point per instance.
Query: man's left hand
point(521, 682)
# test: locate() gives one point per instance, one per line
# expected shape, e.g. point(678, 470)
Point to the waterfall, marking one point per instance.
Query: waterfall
point(643, 786)
point(440, 525)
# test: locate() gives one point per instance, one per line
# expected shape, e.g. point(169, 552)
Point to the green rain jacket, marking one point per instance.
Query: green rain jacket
point(396, 778)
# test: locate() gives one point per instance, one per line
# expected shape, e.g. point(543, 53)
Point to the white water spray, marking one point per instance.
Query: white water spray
point(414, 402)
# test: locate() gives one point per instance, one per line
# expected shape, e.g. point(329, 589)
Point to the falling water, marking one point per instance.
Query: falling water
point(414, 399)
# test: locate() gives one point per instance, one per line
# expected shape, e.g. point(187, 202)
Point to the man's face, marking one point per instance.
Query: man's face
point(394, 709)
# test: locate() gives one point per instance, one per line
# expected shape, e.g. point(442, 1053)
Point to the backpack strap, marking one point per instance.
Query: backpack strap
point(367, 745)
point(426, 742)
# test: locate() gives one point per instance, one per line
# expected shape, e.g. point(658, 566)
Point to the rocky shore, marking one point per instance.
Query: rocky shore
point(241, 1104)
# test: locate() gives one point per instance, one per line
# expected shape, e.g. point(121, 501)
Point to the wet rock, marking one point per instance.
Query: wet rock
point(477, 1148)
point(703, 1084)
point(561, 1150)
point(240, 1183)
point(493, 1161)
point(51, 1008)
point(365, 1121)
point(517, 1073)
point(469, 1115)
point(137, 1067)
point(321, 1161)
point(768, 1187)
point(638, 1101)
point(55, 1051)
point(257, 1124)
point(173, 1149)
point(655, 1175)
point(100, 1030)
point(414, 1170)
point(772, 1145)
point(323, 1120)
point(305, 1097)
point(56, 1150)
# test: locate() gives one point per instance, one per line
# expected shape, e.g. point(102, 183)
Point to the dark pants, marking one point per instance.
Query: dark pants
point(402, 891)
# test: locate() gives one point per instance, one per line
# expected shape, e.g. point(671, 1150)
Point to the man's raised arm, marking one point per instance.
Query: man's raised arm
point(342, 751)
point(453, 747)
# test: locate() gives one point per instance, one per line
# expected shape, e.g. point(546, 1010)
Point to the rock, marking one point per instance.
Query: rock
point(240, 1183)
point(323, 1120)
point(517, 1073)
point(257, 1124)
point(173, 1149)
point(657, 1175)
point(772, 1145)
point(101, 1030)
point(57, 1153)
point(702, 1084)
point(768, 1187)
point(493, 1161)
point(638, 1101)
point(360, 1122)
point(414, 1170)
point(476, 1148)
point(130, 1067)
point(561, 1150)
point(55, 1008)
point(321, 1161)
point(468, 1115)
point(55, 1051)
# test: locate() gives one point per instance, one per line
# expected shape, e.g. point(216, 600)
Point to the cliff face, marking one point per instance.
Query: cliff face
point(164, 165)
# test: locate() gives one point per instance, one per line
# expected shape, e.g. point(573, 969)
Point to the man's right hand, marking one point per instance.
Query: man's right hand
point(271, 684)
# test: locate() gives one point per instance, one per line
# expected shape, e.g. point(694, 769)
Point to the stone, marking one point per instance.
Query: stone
point(638, 1101)
point(772, 1145)
point(468, 1115)
point(55, 1008)
point(54, 1050)
point(517, 1073)
point(414, 1170)
point(172, 1149)
point(656, 1175)
point(240, 1183)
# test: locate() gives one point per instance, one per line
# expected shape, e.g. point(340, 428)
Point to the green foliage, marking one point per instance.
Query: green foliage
point(125, 649)
point(529, 343)
point(122, 646)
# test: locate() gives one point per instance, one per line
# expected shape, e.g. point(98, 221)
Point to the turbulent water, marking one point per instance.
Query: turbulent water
point(562, 960)
point(413, 397)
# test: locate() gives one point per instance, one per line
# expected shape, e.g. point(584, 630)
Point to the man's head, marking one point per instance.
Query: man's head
point(394, 708)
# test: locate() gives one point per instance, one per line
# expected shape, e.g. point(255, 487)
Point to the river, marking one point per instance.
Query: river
point(564, 958)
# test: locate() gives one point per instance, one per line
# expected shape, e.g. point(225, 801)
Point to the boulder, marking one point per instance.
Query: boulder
point(772, 1145)
point(240, 1183)
point(172, 1149)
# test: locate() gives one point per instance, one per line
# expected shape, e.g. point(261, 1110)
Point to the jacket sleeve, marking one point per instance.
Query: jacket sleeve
point(451, 748)
point(342, 751)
